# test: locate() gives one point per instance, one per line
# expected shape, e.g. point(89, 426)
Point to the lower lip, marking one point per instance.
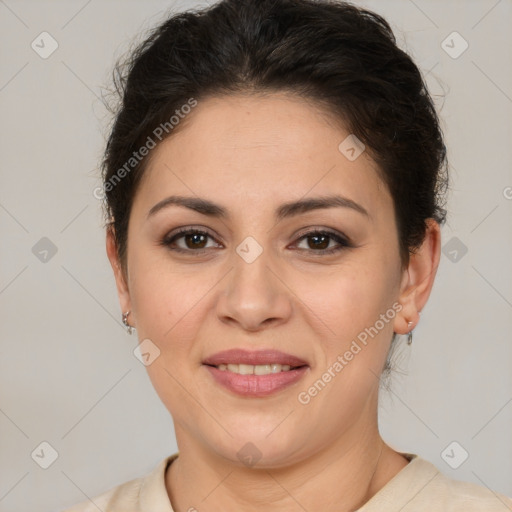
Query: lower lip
point(256, 385)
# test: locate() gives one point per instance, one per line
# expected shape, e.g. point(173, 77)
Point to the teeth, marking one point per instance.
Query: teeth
point(259, 369)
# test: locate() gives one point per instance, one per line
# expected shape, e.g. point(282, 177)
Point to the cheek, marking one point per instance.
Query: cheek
point(171, 304)
point(160, 295)
point(167, 307)
point(348, 298)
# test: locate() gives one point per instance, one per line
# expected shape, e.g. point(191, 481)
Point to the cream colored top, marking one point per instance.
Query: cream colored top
point(418, 487)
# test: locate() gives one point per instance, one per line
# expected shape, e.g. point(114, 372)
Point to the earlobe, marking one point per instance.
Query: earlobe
point(418, 279)
point(121, 284)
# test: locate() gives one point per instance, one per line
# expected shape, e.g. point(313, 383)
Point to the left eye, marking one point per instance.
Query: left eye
point(318, 241)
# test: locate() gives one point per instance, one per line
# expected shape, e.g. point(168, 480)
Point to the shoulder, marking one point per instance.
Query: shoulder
point(459, 496)
point(124, 495)
point(421, 487)
point(141, 494)
point(434, 491)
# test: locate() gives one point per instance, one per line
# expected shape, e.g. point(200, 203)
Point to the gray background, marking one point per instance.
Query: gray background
point(68, 375)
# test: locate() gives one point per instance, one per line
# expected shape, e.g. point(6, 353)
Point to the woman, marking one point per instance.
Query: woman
point(274, 184)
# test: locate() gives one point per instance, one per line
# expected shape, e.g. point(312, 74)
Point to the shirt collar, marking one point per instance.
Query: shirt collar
point(153, 491)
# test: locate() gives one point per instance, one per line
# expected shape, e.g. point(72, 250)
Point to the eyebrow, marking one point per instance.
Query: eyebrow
point(286, 210)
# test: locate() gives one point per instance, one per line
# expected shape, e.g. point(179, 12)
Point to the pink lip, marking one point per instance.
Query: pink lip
point(256, 385)
point(241, 356)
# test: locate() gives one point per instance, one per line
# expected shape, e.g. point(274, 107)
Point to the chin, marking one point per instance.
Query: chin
point(259, 451)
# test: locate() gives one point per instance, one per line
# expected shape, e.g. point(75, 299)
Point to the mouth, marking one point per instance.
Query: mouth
point(260, 369)
point(254, 358)
point(255, 373)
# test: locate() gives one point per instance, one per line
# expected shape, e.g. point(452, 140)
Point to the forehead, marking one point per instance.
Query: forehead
point(261, 149)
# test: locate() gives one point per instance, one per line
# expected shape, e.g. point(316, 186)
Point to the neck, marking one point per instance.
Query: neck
point(339, 477)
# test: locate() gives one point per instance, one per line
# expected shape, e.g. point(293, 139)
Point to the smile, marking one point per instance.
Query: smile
point(252, 384)
point(260, 369)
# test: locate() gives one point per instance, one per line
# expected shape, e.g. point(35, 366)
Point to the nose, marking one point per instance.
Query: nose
point(254, 296)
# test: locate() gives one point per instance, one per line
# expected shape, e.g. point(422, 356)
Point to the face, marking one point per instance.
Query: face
point(308, 282)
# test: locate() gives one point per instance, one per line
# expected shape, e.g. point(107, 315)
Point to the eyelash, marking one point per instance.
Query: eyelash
point(343, 242)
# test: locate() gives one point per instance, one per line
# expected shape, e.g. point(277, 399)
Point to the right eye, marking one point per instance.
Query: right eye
point(194, 240)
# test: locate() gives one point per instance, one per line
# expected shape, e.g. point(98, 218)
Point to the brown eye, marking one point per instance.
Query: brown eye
point(319, 241)
point(195, 240)
point(188, 240)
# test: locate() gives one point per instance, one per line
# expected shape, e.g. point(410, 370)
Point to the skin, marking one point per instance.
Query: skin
point(250, 154)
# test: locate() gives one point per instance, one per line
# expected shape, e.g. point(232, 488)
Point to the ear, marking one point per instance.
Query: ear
point(121, 280)
point(418, 279)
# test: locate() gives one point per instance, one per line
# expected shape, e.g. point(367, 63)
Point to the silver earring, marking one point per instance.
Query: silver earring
point(409, 335)
point(129, 328)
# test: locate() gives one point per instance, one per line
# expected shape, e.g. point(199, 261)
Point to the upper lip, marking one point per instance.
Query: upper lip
point(253, 357)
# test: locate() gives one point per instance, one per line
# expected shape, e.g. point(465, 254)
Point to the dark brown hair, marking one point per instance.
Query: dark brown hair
point(343, 57)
